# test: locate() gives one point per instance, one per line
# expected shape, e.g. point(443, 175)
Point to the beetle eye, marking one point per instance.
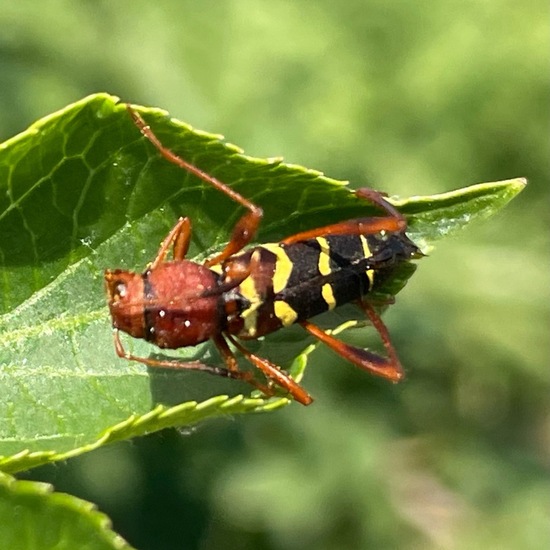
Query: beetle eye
point(120, 289)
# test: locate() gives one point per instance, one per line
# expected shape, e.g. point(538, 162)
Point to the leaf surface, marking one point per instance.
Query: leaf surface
point(35, 517)
point(84, 191)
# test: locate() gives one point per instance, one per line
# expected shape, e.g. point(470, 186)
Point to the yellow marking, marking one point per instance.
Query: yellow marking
point(370, 275)
point(324, 256)
point(283, 266)
point(328, 296)
point(248, 289)
point(284, 313)
point(365, 244)
point(216, 269)
point(367, 253)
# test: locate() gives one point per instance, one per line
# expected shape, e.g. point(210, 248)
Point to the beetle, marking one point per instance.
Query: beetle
point(245, 293)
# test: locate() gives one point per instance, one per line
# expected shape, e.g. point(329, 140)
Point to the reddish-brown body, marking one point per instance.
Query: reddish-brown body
point(166, 305)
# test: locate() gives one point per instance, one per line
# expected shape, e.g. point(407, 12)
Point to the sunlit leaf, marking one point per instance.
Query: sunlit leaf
point(84, 191)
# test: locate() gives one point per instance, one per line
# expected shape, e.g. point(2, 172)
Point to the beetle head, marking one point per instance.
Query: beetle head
point(125, 297)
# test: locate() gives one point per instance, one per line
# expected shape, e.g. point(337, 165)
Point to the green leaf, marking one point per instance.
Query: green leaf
point(84, 191)
point(434, 217)
point(35, 517)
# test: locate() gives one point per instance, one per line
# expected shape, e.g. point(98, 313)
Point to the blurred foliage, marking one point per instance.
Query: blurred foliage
point(35, 517)
point(416, 98)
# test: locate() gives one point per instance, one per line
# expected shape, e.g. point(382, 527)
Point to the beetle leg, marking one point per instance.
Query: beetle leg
point(182, 240)
point(274, 373)
point(387, 367)
point(233, 367)
point(180, 236)
point(379, 199)
point(359, 226)
point(234, 274)
point(246, 227)
point(242, 234)
point(171, 363)
point(393, 222)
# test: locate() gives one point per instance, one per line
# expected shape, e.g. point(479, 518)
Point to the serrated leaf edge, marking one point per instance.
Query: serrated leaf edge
point(161, 417)
point(69, 502)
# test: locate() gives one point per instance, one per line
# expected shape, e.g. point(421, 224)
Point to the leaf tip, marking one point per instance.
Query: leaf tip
point(519, 183)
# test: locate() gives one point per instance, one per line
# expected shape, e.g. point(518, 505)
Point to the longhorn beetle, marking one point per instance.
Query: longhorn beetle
point(242, 294)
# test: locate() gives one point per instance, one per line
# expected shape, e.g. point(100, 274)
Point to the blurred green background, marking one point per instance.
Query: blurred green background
point(410, 98)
